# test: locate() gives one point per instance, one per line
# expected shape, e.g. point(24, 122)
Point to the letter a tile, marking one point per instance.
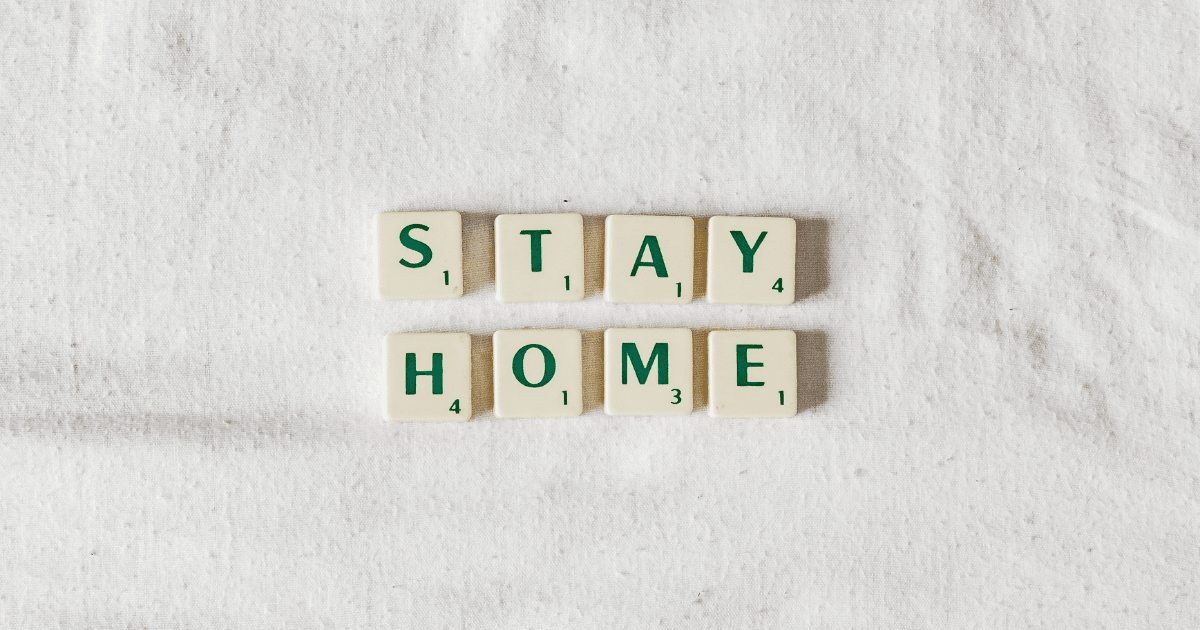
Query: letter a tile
point(751, 260)
point(648, 371)
point(751, 373)
point(537, 373)
point(419, 255)
point(648, 259)
point(539, 257)
point(428, 376)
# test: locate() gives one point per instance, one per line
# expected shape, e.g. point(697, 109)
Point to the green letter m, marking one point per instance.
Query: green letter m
point(629, 354)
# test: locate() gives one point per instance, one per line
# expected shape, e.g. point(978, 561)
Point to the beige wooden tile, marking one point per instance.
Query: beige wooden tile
point(428, 376)
point(648, 371)
point(648, 259)
point(539, 257)
point(751, 373)
point(419, 255)
point(751, 260)
point(537, 373)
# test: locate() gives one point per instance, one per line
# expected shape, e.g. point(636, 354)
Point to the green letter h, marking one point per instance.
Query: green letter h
point(411, 373)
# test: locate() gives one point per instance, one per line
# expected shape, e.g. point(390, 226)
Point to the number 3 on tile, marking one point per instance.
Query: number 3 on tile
point(676, 393)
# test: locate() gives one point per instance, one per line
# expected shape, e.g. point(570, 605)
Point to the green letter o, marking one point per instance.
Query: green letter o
point(518, 365)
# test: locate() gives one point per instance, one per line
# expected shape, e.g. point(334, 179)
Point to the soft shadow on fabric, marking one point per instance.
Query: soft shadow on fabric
point(481, 375)
point(700, 367)
point(593, 256)
point(479, 251)
point(593, 369)
point(700, 259)
point(812, 369)
point(812, 256)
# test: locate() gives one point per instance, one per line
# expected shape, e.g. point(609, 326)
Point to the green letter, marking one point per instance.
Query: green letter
point(518, 365)
point(415, 245)
point(535, 248)
point(411, 373)
point(656, 259)
point(744, 364)
point(747, 251)
point(629, 354)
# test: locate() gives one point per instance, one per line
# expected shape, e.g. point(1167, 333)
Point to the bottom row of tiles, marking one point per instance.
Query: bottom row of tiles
point(539, 373)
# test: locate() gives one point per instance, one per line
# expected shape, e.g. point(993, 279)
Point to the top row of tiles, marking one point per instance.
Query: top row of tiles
point(539, 258)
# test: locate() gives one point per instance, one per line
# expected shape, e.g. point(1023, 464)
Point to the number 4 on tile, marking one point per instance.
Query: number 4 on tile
point(428, 376)
point(751, 260)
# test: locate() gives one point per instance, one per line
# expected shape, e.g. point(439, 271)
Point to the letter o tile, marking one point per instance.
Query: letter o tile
point(537, 373)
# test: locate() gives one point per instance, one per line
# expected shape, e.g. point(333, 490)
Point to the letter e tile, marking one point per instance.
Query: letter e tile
point(751, 373)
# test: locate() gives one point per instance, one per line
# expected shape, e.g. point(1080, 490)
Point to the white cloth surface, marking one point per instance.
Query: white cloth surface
point(998, 204)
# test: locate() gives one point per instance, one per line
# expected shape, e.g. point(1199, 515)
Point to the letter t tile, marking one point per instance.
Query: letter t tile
point(539, 257)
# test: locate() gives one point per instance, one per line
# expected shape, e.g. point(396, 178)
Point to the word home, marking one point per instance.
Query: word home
point(539, 373)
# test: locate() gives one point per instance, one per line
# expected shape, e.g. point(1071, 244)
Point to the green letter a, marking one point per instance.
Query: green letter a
point(656, 259)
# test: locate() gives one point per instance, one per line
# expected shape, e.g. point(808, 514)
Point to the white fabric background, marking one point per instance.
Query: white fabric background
point(1001, 207)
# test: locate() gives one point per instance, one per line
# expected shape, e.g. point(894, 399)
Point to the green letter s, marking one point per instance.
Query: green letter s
point(415, 245)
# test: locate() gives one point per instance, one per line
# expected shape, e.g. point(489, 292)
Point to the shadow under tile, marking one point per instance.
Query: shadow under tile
point(812, 369)
point(479, 255)
point(593, 255)
point(812, 256)
point(700, 367)
point(700, 259)
point(481, 375)
point(593, 369)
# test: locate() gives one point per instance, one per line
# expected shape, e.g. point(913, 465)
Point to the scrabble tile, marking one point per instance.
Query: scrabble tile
point(428, 376)
point(539, 257)
point(537, 373)
point(648, 371)
point(419, 255)
point(648, 259)
point(751, 373)
point(751, 260)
